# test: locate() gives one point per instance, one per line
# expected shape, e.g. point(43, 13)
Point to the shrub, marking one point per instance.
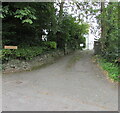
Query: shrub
point(50, 44)
point(111, 68)
point(22, 53)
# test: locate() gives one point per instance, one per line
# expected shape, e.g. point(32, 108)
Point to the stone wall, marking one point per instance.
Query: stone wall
point(16, 65)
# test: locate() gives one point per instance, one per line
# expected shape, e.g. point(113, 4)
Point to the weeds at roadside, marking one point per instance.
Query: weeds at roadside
point(111, 68)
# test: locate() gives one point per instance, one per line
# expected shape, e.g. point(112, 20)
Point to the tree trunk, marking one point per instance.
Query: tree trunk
point(102, 27)
point(61, 11)
point(59, 34)
point(102, 20)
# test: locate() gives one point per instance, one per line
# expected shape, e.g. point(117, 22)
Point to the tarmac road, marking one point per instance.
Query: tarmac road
point(72, 83)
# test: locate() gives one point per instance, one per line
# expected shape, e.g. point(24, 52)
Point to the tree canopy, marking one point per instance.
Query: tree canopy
point(109, 39)
point(24, 23)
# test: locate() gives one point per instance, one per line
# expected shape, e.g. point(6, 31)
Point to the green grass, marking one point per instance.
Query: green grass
point(111, 68)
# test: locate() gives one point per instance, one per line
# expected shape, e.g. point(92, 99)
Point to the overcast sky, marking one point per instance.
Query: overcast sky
point(92, 22)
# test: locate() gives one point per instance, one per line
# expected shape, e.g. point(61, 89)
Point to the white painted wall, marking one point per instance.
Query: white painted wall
point(90, 41)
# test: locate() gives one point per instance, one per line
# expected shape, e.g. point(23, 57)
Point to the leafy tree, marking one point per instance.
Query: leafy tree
point(26, 21)
point(72, 32)
point(110, 40)
point(24, 24)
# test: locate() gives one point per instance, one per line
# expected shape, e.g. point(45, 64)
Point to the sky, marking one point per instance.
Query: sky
point(93, 24)
point(72, 9)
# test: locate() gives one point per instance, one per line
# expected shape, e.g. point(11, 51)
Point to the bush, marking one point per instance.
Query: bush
point(22, 53)
point(5, 54)
point(111, 68)
point(50, 44)
point(110, 42)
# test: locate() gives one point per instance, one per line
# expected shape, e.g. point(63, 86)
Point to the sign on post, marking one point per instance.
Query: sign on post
point(10, 47)
point(81, 45)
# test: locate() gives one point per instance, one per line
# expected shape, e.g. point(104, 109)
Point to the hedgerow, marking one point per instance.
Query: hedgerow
point(26, 53)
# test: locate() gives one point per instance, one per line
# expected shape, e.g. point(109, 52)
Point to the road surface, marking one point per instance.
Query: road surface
point(72, 83)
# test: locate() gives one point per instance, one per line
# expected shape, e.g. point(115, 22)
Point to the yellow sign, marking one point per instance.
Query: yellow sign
point(10, 47)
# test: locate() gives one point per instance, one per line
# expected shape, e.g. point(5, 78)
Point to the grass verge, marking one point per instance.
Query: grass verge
point(111, 68)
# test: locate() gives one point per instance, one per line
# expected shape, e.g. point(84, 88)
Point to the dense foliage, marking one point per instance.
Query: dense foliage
point(110, 68)
point(72, 33)
point(110, 40)
point(24, 24)
point(26, 53)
